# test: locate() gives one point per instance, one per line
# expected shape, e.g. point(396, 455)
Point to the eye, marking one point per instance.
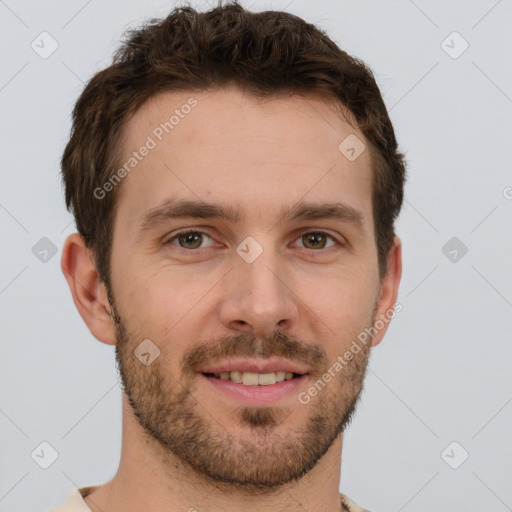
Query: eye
point(189, 239)
point(192, 240)
point(317, 240)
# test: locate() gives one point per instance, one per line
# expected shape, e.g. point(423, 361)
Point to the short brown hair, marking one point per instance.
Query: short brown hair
point(265, 53)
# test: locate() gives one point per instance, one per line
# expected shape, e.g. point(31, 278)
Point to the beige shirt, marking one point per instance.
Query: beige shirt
point(75, 503)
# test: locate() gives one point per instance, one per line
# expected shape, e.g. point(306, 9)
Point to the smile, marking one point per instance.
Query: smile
point(254, 379)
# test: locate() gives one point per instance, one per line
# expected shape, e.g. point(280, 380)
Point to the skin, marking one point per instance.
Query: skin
point(186, 446)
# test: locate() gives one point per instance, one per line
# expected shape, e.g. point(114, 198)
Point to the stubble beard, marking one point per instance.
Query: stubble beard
point(251, 449)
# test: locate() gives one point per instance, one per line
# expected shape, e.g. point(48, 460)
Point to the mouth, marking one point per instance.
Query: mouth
point(256, 382)
point(254, 379)
point(255, 389)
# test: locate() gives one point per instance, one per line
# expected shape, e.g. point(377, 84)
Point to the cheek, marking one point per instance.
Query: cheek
point(162, 303)
point(344, 310)
point(343, 295)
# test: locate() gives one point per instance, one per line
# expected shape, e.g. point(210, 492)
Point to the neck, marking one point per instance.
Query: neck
point(149, 478)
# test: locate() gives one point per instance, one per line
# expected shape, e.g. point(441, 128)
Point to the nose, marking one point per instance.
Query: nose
point(259, 296)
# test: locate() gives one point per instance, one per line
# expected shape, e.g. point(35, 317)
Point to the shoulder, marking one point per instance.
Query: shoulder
point(75, 501)
point(351, 506)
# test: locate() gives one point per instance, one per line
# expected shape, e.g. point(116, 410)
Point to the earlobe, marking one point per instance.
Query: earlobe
point(388, 292)
point(89, 294)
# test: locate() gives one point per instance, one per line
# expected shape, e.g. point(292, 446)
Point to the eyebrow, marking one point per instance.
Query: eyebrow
point(182, 209)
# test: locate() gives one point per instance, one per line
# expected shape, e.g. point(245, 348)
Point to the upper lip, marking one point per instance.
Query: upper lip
point(254, 366)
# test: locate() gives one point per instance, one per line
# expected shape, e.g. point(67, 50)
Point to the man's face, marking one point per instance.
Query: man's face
point(299, 290)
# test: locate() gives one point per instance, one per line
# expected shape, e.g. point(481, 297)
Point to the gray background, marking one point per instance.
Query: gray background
point(442, 373)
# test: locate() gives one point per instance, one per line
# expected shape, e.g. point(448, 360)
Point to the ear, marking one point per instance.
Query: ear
point(388, 292)
point(89, 293)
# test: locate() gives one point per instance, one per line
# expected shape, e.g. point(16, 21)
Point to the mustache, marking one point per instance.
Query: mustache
point(278, 344)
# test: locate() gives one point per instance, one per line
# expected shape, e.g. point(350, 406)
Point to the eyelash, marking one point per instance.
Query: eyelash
point(200, 250)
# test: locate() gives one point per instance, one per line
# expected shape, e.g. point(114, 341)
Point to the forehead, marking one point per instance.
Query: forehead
point(252, 154)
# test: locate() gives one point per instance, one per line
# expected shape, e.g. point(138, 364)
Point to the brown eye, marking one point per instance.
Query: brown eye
point(315, 240)
point(189, 239)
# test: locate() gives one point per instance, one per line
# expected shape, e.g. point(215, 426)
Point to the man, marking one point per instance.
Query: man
point(235, 179)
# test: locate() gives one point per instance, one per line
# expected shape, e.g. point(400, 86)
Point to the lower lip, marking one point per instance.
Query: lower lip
point(257, 395)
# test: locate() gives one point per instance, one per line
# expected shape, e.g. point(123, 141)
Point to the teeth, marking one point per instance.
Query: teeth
point(280, 376)
point(250, 379)
point(235, 376)
point(255, 379)
point(265, 379)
